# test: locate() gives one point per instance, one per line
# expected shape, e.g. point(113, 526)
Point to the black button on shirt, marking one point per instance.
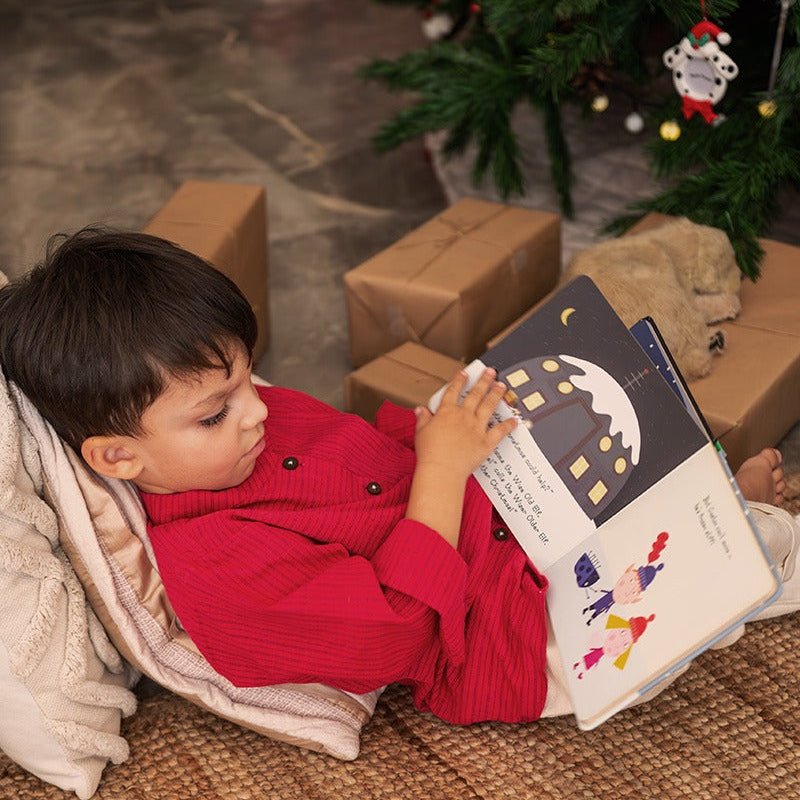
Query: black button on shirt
point(501, 534)
point(290, 463)
point(374, 488)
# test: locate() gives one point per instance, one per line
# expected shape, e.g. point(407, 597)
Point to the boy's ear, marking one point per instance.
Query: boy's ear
point(110, 456)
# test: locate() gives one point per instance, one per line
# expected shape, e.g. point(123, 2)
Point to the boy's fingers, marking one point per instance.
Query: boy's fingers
point(501, 430)
point(423, 417)
point(479, 390)
point(490, 401)
point(455, 387)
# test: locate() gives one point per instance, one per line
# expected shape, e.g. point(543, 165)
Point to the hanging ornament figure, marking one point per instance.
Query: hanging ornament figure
point(700, 70)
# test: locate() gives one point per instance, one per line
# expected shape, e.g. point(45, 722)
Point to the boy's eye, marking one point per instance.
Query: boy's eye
point(216, 419)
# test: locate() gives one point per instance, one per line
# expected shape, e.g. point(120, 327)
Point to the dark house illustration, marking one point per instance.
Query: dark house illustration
point(583, 422)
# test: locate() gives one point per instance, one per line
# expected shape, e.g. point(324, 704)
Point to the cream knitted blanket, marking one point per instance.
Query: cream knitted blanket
point(55, 633)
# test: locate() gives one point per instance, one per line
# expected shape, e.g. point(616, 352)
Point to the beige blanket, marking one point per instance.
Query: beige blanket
point(58, 667)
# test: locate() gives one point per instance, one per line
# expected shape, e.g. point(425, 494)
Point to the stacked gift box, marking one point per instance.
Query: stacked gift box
point(454, 282)
point(407, 375)
point(226, 225)
point(445, 289)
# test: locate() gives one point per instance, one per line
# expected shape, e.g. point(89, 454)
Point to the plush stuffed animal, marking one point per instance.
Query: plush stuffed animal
point(681, 274)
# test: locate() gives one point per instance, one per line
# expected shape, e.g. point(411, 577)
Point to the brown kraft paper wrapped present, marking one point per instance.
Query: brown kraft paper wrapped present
point(751, 398)
point(407, 375)
point(453, 282)
point(225, 224)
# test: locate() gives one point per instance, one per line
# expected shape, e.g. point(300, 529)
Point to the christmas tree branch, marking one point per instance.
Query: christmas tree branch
point(560, 158)
point(548, 52)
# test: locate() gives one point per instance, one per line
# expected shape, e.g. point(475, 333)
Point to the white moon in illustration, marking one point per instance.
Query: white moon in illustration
point(565, 315)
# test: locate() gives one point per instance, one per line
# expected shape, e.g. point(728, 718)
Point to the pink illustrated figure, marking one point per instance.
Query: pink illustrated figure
point(630, 585)
point(620, 636)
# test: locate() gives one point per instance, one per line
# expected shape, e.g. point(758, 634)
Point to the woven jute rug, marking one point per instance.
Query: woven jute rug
point(728, 728)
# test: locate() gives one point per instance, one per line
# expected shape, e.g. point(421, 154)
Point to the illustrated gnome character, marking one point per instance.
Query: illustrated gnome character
point(700, 70)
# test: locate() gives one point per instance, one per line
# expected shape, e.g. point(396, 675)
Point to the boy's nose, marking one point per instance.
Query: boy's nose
point(256, 412)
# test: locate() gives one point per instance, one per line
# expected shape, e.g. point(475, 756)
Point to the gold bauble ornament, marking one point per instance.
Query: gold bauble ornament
point(767, 108)
point(670, 130)
point(600, 103)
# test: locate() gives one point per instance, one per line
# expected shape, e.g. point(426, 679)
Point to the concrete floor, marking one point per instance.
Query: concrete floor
point(107, 105)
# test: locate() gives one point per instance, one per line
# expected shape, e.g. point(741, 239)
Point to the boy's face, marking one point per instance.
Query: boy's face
point(204, 432)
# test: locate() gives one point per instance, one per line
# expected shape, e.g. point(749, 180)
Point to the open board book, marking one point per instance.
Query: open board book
point(617, 493)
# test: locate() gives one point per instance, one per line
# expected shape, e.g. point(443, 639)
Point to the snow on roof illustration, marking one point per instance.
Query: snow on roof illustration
point(608, 398)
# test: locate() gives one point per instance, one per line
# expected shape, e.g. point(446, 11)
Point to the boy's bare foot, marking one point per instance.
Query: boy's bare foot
point(760, 478)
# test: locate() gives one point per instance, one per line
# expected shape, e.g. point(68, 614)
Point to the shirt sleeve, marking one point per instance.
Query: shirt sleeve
point(280, 608)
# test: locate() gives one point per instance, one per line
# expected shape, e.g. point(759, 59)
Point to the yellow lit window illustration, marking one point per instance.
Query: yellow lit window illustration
point(620, 465)
point(578, 467)
point(533, 401)
point(605, 444)
point(550, 365)
point(517, 377)
point(565, 387)
point(598, 492)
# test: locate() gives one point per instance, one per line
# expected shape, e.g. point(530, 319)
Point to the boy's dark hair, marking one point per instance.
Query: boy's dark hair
point(91, 333)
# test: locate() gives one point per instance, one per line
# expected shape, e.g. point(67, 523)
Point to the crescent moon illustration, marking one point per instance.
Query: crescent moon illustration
point(565, 315)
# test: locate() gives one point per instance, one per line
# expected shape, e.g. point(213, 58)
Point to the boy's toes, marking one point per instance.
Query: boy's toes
point(775, 459)
point(773, 456)
point(761, 477)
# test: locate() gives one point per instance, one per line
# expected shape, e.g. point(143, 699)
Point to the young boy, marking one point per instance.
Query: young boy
point(296, 543)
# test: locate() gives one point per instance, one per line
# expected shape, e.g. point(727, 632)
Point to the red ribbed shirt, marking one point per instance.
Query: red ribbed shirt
point(308, 572)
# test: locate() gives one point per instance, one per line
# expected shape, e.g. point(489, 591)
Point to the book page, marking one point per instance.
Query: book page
point(661, 580)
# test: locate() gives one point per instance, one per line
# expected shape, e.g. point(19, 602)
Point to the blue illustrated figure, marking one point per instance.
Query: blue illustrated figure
point(630, 585)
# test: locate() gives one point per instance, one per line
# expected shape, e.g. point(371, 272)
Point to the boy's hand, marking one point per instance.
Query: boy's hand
point(457, 438)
